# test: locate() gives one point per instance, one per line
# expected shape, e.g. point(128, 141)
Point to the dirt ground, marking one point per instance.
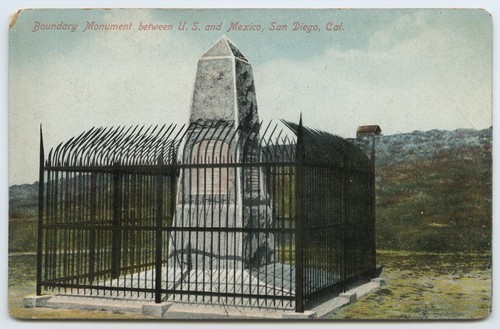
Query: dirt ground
point(419, 286)
point(427, 286)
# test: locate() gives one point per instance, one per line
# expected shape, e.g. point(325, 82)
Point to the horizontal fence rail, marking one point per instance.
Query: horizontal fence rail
point(211, 212)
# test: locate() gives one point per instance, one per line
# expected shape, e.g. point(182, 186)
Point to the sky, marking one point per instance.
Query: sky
point(404, 70)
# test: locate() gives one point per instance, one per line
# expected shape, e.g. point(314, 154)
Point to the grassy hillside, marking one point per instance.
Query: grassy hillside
point(23, 212)
point(23, 201)
point(434, 190)
point(439, 205)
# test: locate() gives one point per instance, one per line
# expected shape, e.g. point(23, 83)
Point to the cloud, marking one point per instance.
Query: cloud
point(419, 81)
point(413, 73)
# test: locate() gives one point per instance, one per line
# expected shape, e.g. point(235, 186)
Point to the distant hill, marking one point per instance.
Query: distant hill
point(433, 188)
point(23, 200)
point(433, 144)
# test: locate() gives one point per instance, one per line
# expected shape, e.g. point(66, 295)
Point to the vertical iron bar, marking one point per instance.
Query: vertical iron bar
point(151, 213)
point(144, 220)
point(124, 236)
point(286, 181)
point(343, 219)
point(102, 245)
point(299, 221)
point(373, 200)
point(66, 179)
point(93, 213)
point(54, 217)
point(116, 232)
point(235, 214)
point(169, 232)
point(228, 234)
point(82, 267)
point(158, 232)
point(74, 255)
point(47, 236)
point(40, 217)
point(58, 220)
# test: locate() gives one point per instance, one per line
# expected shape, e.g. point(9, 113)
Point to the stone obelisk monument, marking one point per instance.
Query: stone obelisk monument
point(223, 110)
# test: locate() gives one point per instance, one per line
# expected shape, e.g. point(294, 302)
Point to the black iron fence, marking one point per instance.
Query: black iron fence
point(210, 212)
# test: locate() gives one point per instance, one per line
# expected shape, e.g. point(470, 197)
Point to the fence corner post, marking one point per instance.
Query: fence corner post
point(299, 221)
point(41, 185)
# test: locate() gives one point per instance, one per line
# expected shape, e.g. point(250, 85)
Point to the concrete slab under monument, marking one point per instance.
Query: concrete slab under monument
point(276, 281)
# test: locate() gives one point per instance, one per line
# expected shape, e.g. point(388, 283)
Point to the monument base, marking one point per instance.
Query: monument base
point(221, 310)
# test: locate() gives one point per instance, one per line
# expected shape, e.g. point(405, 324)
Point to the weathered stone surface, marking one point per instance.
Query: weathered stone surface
point(224, 48)
point(224, 93)
point(213, 96)
point(245, 90)
point(306, 315)
point(156, 310)
point(224, 87)
point(380, 281)
point(349, 296)
point(35, 301)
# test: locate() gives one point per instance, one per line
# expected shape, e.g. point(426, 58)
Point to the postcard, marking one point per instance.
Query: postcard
point(276, 164)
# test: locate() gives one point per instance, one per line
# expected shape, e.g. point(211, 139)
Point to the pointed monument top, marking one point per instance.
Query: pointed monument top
point(223, 48)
